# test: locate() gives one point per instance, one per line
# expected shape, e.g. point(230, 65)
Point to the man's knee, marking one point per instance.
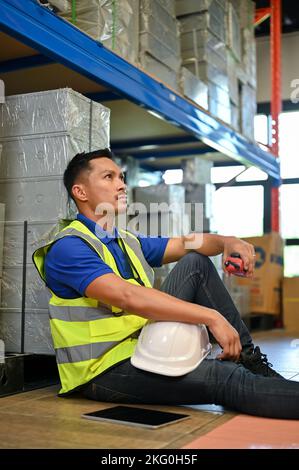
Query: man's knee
point(196, 259)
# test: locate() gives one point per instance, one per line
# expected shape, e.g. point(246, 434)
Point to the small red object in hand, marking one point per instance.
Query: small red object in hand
point(234, 265)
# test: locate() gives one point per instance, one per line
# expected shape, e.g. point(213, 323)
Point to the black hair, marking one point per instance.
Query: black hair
point(79, 163)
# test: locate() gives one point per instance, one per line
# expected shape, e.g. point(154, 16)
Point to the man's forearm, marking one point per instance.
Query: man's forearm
point(207, 244)
point(157, 305)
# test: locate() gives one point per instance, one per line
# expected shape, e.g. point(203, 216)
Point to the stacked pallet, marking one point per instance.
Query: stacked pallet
point(114, 23)
point(218, 47)
point(159, 41)
point(39, 134)
point(204, 49)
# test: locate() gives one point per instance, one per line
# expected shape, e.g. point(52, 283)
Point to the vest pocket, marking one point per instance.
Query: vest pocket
point(117, 312)
point(106, 328)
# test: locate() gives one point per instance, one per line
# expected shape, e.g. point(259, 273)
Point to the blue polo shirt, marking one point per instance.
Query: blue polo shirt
point(71, 265)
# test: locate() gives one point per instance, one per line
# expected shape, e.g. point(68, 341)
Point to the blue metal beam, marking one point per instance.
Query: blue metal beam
point(143, 166)
point(226, 163)
point(24, 63)
point(158, 153)
point(61, 41)
point(104, 96)
point(157, 141)
point(150, 166)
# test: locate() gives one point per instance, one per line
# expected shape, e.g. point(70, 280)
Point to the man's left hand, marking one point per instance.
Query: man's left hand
point(245, 250)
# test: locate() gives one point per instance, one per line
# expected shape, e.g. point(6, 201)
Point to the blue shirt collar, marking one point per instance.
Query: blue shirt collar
point(97, 230)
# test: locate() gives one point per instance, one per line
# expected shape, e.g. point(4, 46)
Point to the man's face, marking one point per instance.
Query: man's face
point(104, 185)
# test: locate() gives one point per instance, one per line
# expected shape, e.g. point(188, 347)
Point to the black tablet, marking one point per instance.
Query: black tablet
point(133, 416)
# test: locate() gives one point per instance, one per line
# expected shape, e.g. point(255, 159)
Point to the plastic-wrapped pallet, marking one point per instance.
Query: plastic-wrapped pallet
point(197, 171)
point(219, 100)
point(200, 193)
point(222, 112)
point(207, 73)
point(2, 92)
point(234, 91)
point(40, 155)
point(169, 5)
point(159, 70)
point(159, 42)
point(63, 6)
point(217, 83)
point(203, 53)
point(172, 222)
point(38, 233)
point(160, 193)
point(149, 44)
point(132, 171)
point(114, 23)
point(156, 20)
point(218, 94)
point(234, 31)
point(62, 110)
point(211, 21)
point(35, 199)
point(37, 336)
point(248, 111)
point(150, 26)
point(235, 117)
point(194, 88)
point(204, 50)
point(201, 43)
point(40, 133)
point(161, 209)
point(245, 9)
point(37, 330)
point(36, 294)
point(232, 69)
point(2, 218)
point(249, 56)
point(188, 7)
point(242, 39)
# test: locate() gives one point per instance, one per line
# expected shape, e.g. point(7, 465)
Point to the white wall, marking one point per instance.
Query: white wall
point(290, 66)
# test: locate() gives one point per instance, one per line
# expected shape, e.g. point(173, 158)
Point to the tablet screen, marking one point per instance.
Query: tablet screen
point(136, 416)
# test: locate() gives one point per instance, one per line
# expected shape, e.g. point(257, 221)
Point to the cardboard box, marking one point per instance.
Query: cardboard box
point(265, 286)
point(290, 296)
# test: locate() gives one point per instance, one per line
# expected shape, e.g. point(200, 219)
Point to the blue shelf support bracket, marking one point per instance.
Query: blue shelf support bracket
point(62, 42)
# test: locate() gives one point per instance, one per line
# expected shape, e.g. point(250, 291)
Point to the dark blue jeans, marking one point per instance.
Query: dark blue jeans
point(225, 383)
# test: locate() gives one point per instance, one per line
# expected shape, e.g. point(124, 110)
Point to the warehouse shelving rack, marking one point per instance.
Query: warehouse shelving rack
point(59, 41)
point(34, 39)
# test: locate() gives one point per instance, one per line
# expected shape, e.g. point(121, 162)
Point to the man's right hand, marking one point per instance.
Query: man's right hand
point(227, 337)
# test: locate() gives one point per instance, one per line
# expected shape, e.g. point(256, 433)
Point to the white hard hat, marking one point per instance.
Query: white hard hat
point(171, 348)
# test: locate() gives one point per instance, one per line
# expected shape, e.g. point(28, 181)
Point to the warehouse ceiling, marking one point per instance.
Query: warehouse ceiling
point(290, 17)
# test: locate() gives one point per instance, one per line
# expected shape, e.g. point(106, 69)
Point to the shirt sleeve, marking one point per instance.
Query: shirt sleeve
point(71, 265)
point(153, 249)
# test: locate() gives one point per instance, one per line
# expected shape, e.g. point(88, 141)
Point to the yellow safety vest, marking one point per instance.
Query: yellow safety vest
point(89, 336)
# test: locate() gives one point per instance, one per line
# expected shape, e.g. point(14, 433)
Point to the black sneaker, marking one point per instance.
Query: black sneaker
point(257, 363)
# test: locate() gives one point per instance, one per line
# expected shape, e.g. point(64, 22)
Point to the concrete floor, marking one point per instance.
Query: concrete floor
point(39, 419)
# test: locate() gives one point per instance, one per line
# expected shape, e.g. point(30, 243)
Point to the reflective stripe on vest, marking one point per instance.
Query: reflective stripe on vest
point(90, 336)
point(83, 353)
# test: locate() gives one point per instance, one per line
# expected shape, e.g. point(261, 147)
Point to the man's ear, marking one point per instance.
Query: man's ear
point(79, 192)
